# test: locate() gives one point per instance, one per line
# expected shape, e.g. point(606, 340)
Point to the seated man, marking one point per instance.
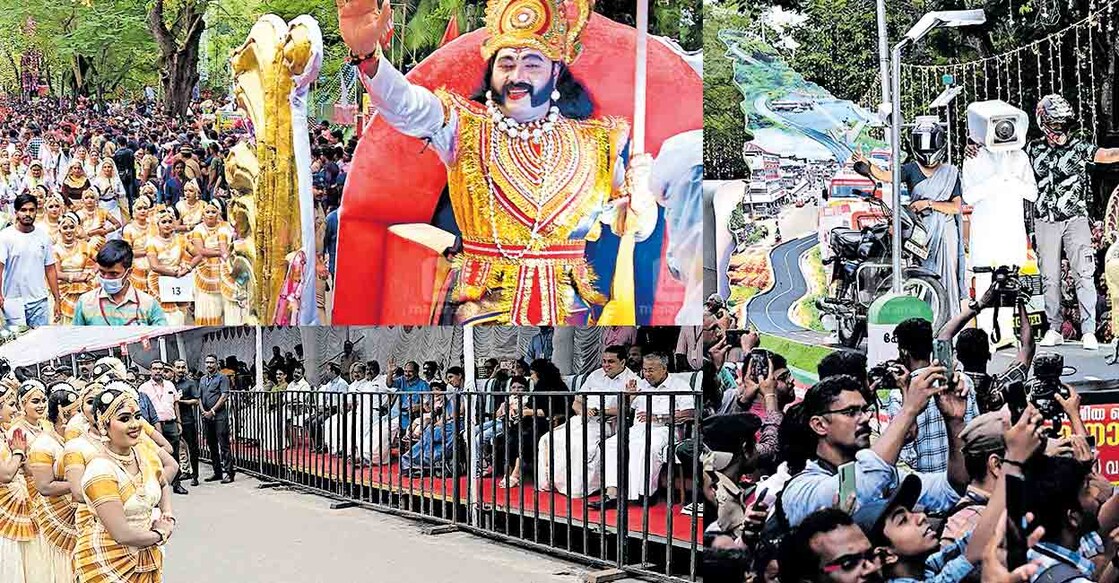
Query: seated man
point(566, 449)
point(656, 416)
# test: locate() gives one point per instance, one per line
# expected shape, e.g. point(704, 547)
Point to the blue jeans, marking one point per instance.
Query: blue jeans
point(485, 433)
point(35, 313)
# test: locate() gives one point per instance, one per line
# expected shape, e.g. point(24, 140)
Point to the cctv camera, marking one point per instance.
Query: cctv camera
point(997, 125)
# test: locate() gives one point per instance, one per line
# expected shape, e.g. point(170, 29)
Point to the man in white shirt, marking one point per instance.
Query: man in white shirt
point(54, 160)
point(656, 416)
point(329, 406)
point(165, 400)
point(598, 413)
point(27, 268)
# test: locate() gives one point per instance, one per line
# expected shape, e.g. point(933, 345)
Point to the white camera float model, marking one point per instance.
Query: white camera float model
point(999, 126)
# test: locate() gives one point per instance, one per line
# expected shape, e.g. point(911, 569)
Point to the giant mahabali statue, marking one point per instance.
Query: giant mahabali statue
point(273, 70)
point(536, 171)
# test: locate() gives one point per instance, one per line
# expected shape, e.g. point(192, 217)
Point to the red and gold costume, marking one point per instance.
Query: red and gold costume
point(526, 201)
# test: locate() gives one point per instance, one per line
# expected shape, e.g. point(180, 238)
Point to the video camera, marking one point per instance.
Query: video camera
point(1007, 284)
point(1043, 388)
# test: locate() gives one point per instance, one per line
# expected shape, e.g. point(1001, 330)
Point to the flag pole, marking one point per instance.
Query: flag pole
point(621, 309)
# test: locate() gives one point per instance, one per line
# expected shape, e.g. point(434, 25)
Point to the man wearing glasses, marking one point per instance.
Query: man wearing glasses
point(829, 547)
point(836, 430)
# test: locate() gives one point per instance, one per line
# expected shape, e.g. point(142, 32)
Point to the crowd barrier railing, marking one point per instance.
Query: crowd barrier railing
point(520, 467)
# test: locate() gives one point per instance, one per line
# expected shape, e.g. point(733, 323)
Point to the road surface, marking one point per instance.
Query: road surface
point(237, 532)
point(839, 150)
point(769, 311)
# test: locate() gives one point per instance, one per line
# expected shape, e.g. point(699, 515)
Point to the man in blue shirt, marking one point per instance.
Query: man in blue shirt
point(541, 345)
point(407, 405)
point(836, 431)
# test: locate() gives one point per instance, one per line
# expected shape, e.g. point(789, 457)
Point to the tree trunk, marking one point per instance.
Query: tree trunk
point(178, 62)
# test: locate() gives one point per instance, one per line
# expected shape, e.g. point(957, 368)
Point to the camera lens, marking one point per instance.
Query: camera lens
point(1005, 130)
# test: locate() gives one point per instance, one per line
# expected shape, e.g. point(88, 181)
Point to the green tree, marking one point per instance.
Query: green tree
point(724, 118)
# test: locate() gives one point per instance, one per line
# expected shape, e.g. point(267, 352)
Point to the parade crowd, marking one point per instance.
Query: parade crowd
point(89, 459)
point(903, 470)
point(76, 176)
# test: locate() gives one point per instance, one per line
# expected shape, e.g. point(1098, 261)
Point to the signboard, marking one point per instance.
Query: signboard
point(1102, 421)
point(176, 289)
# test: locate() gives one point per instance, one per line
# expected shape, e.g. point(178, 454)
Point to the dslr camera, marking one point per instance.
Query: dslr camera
point(881, 376)
point(1043, 388)
point(1005, 280)
point(997, 125)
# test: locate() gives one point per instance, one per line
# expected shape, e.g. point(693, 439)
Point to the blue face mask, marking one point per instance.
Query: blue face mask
point(112, 286)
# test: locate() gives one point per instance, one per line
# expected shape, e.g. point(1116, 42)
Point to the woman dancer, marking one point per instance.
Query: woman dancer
point(55, 515)
point(17, 530)
point(212, 241)
point(123, 487)
point(190, 208)
point(32, 397)
point(168, 256)
point(97, 223)
point(136, 234)
point(76, 268)
point(51, 215)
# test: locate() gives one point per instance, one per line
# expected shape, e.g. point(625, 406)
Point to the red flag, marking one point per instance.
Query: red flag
point(452, 31)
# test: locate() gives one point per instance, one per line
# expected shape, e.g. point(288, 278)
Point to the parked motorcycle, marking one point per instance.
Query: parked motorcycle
point(862, 269)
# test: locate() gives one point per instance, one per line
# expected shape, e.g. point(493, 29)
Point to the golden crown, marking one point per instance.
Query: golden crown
point(552, 27)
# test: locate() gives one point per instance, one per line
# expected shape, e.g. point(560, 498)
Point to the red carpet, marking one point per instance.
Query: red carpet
point(535, 503)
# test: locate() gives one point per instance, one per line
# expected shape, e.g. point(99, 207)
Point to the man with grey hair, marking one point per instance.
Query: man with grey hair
point(663, 404)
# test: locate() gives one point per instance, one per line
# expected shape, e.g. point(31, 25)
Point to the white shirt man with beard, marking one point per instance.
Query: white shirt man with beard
point(598, 413)
point(656, 417)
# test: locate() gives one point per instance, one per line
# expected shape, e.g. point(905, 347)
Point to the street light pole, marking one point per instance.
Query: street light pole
point(883, 51)
point(895, 162)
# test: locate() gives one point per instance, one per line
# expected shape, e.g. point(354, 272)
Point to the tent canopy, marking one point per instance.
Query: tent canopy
point(48, 343)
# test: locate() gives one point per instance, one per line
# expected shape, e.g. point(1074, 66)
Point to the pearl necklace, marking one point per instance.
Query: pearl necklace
point(533, 130)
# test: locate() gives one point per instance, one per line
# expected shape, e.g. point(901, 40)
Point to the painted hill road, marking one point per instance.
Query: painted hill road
point(769, 311)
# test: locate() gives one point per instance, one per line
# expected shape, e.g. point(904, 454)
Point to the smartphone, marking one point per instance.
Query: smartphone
point(759, 364)
point(1015, 514)
point(1091, 441)
point(1016, 400)
point(734, 337)
point(942, 353)
point(760, 498)
point(846, 483)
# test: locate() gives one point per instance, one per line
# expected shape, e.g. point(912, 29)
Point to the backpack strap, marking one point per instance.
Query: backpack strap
point(1059, 572)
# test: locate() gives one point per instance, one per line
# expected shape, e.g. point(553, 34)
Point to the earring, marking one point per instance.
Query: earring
point(555, 95)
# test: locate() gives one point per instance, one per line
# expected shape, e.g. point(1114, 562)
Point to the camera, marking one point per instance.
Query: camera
point(997, 125)
point(881, 376)
point(1005, 280)
point(1043, 388)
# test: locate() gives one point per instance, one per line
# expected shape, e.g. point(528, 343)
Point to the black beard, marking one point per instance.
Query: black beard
point(536, 98)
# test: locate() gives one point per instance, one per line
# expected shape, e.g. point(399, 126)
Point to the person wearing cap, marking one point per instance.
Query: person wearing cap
point(191, 167)
point(912, 549)
point(831, 427)
point(984, 448)
point(731, 458)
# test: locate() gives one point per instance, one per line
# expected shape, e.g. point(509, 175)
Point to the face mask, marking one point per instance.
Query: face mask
point(112, 286)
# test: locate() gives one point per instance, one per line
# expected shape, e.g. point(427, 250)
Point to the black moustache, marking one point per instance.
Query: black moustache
point(523, 86)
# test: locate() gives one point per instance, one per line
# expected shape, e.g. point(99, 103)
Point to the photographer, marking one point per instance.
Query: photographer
point(973, 351)
point(834, 420)
point(929, 451)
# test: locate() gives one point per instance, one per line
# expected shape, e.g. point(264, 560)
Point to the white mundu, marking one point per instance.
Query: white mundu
point(582, 455)
point(659, 435)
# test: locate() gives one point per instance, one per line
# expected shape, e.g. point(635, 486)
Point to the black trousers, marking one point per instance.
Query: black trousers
point(217, 437)
point(170, 430)
point(190, 436)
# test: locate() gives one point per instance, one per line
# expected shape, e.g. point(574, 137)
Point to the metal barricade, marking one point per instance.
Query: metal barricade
point(524, 470)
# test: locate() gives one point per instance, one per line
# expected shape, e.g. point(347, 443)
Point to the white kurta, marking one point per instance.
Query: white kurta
point(640, 484)
point(552, 456)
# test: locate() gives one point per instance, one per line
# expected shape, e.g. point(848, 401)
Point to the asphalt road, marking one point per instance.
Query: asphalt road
point(840, 150)
point(769, 311)
point(237, 532)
